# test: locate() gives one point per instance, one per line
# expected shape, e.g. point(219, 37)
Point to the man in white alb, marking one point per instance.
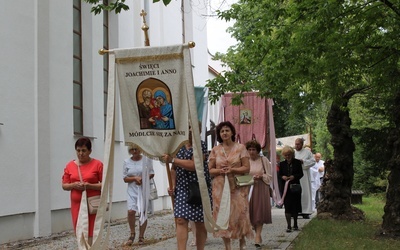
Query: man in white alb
point(307, 159)
point(318, 172)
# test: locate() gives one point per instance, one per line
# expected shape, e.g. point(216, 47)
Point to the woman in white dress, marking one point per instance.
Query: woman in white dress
point(137, 171)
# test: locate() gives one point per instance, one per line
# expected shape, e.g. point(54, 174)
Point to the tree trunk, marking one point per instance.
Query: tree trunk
point(338, 181)
point(391, 218)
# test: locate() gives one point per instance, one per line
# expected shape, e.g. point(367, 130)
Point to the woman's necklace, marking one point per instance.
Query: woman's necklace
point(79, 163)
point(228, 149)
point(137, 158)
point(290, 167)
point(188, 146)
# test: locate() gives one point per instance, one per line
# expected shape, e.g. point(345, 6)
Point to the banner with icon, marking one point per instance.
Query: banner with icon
point(153, 84)
point(250, 119)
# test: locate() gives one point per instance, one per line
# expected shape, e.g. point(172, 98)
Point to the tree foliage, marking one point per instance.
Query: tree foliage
point(309, 52)
point(371, 125)
point(117, 5)
point(320, 134)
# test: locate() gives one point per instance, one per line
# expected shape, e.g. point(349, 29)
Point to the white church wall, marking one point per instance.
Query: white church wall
point(36, 91)
point(17, 135)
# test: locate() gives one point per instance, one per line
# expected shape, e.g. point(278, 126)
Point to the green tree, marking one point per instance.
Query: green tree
point(287, 122)
point(320, 134)
point(113, 5)
point(371, 128)
point(312, 50)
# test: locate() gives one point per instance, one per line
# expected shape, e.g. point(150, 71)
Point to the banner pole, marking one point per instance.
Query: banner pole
point(170, 182)
point(145, 29)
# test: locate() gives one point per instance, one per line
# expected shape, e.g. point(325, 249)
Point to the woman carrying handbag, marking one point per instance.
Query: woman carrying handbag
point(84, 173)
point(260, 201)
point(291, 171)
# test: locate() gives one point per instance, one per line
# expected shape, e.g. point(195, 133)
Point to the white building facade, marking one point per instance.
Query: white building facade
point(53, 90)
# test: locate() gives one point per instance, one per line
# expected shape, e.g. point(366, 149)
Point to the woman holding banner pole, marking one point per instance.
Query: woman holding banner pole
point(182, 173)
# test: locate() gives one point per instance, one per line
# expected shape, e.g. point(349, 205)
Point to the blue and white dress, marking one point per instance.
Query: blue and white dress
point(183, 177)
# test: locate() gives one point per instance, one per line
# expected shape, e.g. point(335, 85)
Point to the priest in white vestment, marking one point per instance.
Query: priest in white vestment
point(307, 159)
point(315, 183)
point(318, 172)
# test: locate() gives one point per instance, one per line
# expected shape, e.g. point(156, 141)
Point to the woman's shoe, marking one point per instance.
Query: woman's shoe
point(141, 240)
point(289, 230)
point(257, 245)
point(295, 228)
point(242, 244)
point(131, 239)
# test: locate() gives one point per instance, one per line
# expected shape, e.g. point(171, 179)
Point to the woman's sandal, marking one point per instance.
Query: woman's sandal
point(130, 240)
point(141, 240)
point(242, 244)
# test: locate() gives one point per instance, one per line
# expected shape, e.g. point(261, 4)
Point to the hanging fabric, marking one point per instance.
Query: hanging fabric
point(249, 118)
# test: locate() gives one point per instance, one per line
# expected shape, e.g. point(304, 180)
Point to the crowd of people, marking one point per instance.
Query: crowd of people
point(248, 207)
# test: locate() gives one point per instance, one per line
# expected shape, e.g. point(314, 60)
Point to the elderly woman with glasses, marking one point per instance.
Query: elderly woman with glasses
point(137, 170)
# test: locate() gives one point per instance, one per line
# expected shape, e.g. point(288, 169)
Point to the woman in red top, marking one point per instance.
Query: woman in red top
point(92, 175)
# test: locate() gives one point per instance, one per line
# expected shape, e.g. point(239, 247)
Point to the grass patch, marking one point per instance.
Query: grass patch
point(329, 234)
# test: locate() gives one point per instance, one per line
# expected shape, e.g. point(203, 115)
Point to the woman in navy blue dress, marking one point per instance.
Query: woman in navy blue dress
point(182, 173)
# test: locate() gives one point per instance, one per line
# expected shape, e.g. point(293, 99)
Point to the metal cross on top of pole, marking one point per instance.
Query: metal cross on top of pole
point(145, 28)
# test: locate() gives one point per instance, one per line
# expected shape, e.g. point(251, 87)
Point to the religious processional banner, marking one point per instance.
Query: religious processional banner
point(250, 118)
point(153, 92)
point(157, 101)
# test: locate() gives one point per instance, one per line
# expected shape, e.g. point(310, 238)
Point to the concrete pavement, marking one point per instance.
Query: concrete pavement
point(274, 236)
point(160, 235)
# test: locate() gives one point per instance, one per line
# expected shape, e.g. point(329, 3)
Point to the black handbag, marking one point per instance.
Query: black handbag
point(194, 197)
point(295, 188)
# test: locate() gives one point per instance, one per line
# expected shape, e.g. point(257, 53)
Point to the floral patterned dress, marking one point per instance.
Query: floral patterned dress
point(239, 219)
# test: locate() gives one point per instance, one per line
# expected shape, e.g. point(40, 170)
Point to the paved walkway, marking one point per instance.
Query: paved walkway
point(274, 236)
point(160, 235)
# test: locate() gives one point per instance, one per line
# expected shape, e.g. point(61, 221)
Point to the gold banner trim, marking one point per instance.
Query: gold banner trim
point(149, 58)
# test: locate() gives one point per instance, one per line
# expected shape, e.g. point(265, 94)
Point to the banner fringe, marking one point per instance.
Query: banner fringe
point(153, 157)
point(149, 58)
